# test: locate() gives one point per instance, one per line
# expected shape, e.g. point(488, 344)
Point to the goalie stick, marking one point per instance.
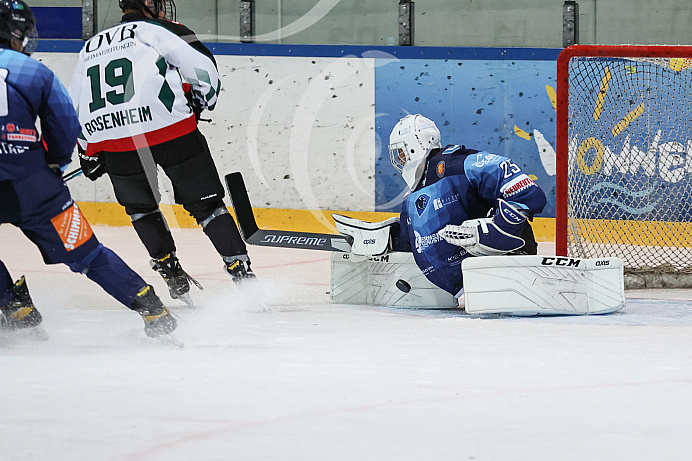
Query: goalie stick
point(276, 238)
point(334, 243)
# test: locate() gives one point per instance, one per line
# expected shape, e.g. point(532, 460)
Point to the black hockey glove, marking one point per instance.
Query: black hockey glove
point(195, 105)
point(197, 109)
point(92, 167)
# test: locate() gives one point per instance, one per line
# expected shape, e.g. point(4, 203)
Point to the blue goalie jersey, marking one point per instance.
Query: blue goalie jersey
point(459, 184)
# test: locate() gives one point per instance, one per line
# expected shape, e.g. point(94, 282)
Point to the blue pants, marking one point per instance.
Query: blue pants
point(41, 206)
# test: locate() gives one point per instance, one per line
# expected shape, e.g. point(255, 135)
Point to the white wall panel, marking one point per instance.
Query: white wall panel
point(302, 130)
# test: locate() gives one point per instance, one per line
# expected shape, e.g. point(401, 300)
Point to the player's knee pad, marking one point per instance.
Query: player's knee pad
point(205, 211)
point(214, 214)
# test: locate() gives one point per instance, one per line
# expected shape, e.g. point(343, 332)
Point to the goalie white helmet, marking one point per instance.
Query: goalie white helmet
point(410, 142)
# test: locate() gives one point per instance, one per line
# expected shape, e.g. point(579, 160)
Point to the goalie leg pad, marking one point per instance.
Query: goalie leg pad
point(392, 280)
point(543, 285)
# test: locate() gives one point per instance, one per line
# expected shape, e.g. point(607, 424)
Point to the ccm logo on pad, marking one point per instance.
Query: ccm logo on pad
point(569, 262)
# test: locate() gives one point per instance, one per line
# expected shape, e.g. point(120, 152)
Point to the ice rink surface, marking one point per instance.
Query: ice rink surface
point(278, 372)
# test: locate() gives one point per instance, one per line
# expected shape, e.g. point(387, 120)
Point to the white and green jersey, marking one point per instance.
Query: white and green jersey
point(128, 84)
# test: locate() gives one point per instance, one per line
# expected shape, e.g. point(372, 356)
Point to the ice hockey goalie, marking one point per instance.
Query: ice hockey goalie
point(465, 208)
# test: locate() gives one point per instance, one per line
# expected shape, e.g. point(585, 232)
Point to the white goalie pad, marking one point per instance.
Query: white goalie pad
point(369, 238)
point(543, 285)
point(392, 280)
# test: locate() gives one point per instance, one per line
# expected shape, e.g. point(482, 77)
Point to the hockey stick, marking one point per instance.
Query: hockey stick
point(72, 174)
point(276, 238)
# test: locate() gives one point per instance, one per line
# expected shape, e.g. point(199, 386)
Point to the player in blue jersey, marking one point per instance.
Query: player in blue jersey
point(461, 202)
point(34, 197)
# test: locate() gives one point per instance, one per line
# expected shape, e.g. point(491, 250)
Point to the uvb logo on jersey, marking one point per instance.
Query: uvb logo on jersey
point(111, 37)
point(72, 228)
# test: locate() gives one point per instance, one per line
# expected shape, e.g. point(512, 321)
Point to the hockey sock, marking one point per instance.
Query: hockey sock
point(106, 268)
point(153, 231)
point(224, 235)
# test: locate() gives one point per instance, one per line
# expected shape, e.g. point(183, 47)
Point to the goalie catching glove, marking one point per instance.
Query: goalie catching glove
point(369, 239)
point(494, 236)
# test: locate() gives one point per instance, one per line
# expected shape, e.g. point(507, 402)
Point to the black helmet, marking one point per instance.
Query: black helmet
point(17, 22)
point(155, 8)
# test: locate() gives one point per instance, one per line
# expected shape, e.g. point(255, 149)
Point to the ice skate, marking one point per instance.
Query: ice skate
point(176, 278)
point(21, 314)
point(158, 320)
point(238, 267)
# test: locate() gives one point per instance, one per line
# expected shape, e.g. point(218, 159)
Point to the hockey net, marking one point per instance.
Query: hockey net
point(624, 153)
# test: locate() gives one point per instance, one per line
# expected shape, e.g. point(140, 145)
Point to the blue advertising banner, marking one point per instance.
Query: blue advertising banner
point(632, 154)
point(503, 106)
point(58, 21)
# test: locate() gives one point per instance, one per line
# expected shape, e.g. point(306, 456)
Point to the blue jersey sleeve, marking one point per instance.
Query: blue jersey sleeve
point(32, 91)
point(494, 176)
point(59, 122)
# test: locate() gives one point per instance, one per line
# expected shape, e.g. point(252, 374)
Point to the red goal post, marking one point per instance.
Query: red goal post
point(624, 159)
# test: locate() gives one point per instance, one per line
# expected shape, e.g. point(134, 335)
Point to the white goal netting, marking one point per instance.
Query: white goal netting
point(629, 187)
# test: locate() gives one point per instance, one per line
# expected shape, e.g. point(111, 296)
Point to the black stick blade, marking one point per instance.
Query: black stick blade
point(241, 204)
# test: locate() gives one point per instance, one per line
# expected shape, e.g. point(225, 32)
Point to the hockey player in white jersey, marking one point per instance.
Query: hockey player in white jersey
point(139, 88)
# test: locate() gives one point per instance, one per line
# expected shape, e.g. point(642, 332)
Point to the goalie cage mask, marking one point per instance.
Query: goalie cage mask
point(17, 22)
point(161, 9)
point(410, 142)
